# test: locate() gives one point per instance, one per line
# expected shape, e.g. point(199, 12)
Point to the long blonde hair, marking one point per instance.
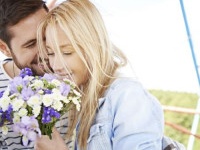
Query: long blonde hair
point(85, 29)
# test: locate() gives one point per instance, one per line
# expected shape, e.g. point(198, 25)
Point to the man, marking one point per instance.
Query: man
point(18, 27)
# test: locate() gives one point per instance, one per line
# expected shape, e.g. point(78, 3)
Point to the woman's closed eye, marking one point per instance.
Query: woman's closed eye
point(64, 53)
point(50, 53)
point(67, 53)
point(66, 49)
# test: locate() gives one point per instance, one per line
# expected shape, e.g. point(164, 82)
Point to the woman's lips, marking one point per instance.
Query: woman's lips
point(63, 76)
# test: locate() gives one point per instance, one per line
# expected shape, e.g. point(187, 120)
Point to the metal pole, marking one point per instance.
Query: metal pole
point(196, 116)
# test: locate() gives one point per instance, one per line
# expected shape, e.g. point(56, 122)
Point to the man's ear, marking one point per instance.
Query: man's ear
point(4, 49)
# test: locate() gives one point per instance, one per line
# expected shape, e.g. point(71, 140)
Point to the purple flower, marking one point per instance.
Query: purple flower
point(16, 84)
point(1, 93)
point(26, 93)
point(48, 77)
point(29, 128)
point(54, 113)
point(48, 113)
point(64, 89)
point(47, 91)
point(45, 116)
point(26, 72)
point(25, 87)
point(6, 116)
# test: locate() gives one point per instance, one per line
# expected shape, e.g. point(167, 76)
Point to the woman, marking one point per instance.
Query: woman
point(117, 113)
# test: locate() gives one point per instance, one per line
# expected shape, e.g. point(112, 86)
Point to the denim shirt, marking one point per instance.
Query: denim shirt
point(128, 118)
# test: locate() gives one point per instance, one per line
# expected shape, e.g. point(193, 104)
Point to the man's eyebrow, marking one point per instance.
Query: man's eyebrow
point(28, 42)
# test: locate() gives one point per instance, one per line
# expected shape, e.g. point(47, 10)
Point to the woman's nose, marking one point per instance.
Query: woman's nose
point(57, 65)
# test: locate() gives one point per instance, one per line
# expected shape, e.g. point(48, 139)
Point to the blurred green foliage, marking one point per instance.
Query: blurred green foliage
point(180, 99)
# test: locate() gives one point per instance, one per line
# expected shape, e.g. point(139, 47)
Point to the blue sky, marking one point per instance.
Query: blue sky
point(153, 35)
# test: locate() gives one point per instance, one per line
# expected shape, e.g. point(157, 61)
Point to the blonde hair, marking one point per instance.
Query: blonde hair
point(85, 29)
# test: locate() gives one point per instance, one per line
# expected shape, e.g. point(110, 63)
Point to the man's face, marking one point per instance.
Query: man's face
point(23, 42)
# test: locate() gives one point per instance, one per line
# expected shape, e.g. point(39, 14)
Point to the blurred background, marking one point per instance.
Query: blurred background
point(153, 35)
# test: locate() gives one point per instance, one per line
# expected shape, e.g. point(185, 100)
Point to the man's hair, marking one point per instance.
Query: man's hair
point(13, 11)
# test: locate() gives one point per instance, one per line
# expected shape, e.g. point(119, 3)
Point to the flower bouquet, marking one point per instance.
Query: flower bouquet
point(33, 104)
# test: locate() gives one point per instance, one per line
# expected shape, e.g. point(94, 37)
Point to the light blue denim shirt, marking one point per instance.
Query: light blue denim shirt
point(129, 118)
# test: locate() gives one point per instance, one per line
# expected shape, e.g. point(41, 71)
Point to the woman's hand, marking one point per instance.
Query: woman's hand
point(56, 143)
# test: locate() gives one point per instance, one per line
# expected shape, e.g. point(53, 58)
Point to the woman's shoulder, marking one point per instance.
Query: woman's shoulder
point(129, 91)
point(128, 95)
point(125, 83)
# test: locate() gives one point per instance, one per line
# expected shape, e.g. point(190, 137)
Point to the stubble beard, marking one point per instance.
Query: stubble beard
point(33, 66)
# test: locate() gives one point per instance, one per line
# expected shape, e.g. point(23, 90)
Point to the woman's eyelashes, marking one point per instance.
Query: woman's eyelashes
point(50, 53)
point(67, 53)
point(64, 53)
point(65, 50)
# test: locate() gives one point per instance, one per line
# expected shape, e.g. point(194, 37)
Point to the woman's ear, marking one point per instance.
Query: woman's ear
point(4, 48)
